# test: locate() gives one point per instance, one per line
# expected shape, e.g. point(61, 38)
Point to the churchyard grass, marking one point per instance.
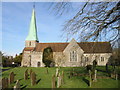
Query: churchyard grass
point(79, 79)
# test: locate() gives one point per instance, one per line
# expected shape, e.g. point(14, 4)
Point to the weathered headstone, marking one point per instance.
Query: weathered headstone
point(7, 82)
point(4, 83)
point(17, 85)
point(58, 81)
point(116, 76)
point(26, 75)
point(95, 76)
point(90, 80)
point(11, 78)
point(57, 71)
point(53, 81)
point(33, 78)
point(62, 77)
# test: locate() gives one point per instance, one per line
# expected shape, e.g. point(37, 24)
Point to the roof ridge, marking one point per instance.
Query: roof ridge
point(93, 42)
point(56, 42)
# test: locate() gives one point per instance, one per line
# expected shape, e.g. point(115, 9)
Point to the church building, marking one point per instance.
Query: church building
point(70, 54)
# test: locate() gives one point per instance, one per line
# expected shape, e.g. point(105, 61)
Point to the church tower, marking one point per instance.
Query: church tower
point(32, 38)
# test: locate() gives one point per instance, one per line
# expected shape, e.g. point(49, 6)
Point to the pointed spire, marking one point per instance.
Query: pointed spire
point(33, 29)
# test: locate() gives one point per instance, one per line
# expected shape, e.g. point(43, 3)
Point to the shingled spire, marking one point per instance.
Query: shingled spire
point(33, 29)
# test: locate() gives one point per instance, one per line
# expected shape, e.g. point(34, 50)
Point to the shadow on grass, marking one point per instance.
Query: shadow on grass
point(4, 70)
point(20, 79)
point(14, 74)
point(104, 72)
point(23, 87)
point(38, 80)
point(86, 81)
point(101, 70)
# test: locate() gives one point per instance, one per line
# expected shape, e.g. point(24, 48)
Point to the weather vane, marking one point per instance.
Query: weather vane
point(34, 5)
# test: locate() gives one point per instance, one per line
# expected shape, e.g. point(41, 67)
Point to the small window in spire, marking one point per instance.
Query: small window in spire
point(30, 44)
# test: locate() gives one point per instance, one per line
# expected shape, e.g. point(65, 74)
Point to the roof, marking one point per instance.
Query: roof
point(96, 47)
point(56, 47)
point(88, 47)
point(28, 48)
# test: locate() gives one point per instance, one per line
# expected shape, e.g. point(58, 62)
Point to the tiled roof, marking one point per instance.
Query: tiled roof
point(96, 47)
point(56, 47)
point(88, 47)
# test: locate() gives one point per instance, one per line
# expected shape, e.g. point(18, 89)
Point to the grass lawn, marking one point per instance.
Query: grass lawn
point(44, 80)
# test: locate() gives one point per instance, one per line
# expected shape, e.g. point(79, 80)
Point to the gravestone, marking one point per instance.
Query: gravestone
point(116, 76)
point(95, 76)
point(33, 78)
point(90, 80)
point(17, 85)
point(26, 75)
point(53, 81)
point(62, 77)
point(57, 71)
point(7, 82)
point(58, 81)
point(4, 83)
point(11, 78)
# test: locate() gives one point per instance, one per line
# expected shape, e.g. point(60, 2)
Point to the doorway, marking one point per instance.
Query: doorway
point(38, 64)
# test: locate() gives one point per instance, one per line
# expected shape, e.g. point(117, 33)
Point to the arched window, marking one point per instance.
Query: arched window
point(73, 56)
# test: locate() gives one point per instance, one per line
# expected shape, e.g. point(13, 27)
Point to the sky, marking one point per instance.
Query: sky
point(16, 18)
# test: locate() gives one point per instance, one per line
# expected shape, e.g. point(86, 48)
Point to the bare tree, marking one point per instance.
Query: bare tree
point(93, 21)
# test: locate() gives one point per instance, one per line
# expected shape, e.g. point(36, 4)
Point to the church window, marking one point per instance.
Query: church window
point(102, 59)
point(73, 56)
point(86, 59)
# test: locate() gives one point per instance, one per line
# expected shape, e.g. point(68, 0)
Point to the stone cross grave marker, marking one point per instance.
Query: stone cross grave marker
point(17, 85)
point(26, 75)
point(33, 78)
point(11, 78)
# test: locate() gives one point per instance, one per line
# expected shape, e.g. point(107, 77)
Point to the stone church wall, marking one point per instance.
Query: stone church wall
point(31, 59)
point(97, 57)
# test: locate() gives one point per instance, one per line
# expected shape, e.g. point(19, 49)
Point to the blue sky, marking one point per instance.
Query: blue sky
point(16, 20)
